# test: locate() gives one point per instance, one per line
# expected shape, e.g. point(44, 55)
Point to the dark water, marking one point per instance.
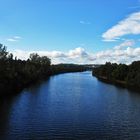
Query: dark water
point(73, 107)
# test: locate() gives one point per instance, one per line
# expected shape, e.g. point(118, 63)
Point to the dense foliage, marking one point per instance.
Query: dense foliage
point(128, 75)
point(17, 74)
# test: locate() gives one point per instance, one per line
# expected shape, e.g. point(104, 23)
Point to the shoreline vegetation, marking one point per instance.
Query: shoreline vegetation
point(16, 74)
point(127, 76)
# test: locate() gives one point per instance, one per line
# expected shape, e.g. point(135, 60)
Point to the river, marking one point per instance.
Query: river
point(73, 106)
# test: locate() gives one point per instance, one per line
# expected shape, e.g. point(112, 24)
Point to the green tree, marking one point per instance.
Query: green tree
point(3, 52)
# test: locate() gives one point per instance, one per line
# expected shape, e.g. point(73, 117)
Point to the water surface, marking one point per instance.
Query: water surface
point(74, 106)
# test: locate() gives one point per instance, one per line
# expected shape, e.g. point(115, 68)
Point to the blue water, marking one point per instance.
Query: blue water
point(74, 106)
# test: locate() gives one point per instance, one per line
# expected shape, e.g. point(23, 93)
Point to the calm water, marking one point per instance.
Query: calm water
point(73, 106)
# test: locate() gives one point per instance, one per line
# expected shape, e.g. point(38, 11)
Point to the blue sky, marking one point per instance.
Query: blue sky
point(67, 30)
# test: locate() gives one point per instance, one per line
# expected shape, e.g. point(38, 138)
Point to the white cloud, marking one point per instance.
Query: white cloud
point(123, 53)
point(11, 40)
point(126, 43)
point(17, 37)
point(78, 52)
point(14, 39)
point(77, 55)
point(130, 25)
point(109, 40)
point(85, 22)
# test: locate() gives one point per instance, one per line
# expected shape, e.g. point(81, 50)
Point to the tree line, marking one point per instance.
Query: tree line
point(127, 75)
point(16, 74)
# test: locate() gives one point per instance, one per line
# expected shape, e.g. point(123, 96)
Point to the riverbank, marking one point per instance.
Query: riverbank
point(119, 83)
point(127, 76)
point(13, 85)
point(16, 74)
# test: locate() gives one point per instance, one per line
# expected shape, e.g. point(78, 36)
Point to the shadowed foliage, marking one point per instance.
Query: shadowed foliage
point(16, 74)
point(127, 75)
